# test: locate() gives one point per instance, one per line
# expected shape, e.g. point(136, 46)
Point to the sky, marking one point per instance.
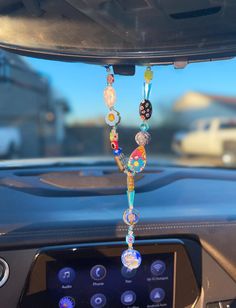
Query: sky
point(83, 84)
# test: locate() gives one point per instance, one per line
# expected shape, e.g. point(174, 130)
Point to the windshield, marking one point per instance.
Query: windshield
point(56, 109)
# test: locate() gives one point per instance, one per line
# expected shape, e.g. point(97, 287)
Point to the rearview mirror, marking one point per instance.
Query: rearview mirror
point(120, 31)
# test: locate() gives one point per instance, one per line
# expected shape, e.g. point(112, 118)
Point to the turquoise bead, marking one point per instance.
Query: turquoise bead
point(131, 195)
point(144, 127)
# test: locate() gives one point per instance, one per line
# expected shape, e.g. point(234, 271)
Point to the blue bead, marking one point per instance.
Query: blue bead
point(117, 152)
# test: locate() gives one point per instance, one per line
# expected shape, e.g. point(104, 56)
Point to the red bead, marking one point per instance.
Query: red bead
point(114, 145)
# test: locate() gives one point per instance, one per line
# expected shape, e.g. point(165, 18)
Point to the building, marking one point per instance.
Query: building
point(27, 103)
point(194, 106)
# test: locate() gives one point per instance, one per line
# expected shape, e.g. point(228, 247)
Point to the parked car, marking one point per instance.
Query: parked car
point(10, 142)
point(213, 137)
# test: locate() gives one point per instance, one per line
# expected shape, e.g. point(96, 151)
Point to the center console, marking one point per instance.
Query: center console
point(92, 276)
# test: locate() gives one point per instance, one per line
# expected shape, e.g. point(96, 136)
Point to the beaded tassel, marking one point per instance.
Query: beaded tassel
point(136, 163)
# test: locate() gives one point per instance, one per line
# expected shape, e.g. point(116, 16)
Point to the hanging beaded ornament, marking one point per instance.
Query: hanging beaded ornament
point(130, 258)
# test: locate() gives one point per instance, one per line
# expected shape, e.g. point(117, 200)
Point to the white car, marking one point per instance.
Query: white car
point(213, 137)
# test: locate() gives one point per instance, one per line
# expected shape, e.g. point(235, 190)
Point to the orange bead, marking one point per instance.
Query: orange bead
point(130, 183)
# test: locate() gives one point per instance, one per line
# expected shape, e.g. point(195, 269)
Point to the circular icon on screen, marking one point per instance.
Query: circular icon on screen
point(128, 273)
point(98, 272)
point(98, 300)
point(128, 298)
point(66, 275)
point(157, 295)
point(67, 302)
point(158, 268)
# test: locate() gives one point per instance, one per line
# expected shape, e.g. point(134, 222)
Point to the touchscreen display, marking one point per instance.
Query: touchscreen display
point(102, 282)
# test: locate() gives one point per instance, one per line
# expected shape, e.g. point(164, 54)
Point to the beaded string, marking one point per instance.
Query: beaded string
point(131, 258)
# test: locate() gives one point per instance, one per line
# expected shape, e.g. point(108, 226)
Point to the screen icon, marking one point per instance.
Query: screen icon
point(128, 298)
point(66, 275)
point(98, 272)
point(67, 302)
point(158, 268)
point(98, 300)
point(157, 295)
point(127, 272)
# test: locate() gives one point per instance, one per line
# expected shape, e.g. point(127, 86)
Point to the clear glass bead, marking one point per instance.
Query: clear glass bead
point(131, 259)
point(131, 217)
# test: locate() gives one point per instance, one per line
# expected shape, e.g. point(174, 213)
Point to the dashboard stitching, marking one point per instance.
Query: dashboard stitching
point(156, 227)
point(122, 229)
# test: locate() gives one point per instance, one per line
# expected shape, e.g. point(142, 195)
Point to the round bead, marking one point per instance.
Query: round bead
point(144, 127)
point(109, 96)
point(131, 217)
point(131, 258)
point(113, 118)
point(130, 239)
point(110, 79)
point(145, 109)
point(142, 138)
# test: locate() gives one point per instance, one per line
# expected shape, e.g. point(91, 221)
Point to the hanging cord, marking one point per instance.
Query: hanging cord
point(136, 163)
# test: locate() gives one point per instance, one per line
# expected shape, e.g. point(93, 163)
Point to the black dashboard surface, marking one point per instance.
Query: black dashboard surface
point(195, 203)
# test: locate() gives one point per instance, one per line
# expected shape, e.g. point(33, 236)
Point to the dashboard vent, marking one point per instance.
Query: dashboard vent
point(197, 13)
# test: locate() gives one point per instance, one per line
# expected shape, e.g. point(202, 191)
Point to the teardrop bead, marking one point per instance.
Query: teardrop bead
point(130, 195)
point(146, 90)
point(137, 160)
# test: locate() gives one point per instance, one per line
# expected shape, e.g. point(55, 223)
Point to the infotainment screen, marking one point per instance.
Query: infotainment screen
point(83, 277)
point(102, 282)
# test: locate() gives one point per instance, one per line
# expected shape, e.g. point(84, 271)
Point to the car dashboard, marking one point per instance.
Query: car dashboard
point(62, 235)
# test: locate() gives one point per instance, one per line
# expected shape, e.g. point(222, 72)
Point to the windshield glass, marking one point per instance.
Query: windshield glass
point(56, 109)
